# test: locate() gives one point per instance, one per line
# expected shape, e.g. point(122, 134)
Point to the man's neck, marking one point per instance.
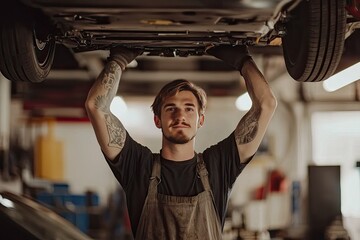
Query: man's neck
point(177, 152)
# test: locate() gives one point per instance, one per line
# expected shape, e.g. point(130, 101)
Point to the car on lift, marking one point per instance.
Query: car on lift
point(22, 217)
point(311, 33)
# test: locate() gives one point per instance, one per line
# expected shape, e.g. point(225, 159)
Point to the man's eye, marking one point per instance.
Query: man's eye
point(190, 109)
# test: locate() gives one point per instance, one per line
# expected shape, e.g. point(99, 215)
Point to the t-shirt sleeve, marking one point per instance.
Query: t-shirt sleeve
point(223, 162)
point(131, 162)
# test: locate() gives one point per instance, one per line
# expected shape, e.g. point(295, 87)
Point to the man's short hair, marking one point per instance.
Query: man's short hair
point(174, 87)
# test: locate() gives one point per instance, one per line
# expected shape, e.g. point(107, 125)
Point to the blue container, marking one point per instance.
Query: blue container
point(60, 188)
point(72, 207)
point(45, 198)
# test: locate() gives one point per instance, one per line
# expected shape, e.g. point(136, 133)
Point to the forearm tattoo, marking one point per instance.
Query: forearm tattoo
point(108, 80)
point(247, 128)
point(116, 131)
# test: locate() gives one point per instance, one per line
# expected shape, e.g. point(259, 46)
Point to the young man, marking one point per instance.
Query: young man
point(179, 194)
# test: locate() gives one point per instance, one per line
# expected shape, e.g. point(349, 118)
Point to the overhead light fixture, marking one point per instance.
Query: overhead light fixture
point(118, 107)
point(243, 103)
point(342, 78)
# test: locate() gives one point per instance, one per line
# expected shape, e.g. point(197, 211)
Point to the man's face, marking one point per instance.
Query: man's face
point(180, 119)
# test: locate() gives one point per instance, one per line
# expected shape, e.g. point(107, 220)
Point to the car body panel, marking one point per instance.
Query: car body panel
point(86, 25)
point(35, 220)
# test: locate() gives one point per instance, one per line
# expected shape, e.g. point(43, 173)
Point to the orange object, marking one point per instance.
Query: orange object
point(49, 155)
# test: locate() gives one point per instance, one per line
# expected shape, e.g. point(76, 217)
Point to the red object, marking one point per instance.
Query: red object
point(277, 182)
point(260, 193)
point(353, 8)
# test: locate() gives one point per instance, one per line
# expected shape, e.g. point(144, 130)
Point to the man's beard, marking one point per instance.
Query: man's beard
point(179, 138)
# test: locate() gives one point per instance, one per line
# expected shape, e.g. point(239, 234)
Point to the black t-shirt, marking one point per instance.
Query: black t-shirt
point(133, 167)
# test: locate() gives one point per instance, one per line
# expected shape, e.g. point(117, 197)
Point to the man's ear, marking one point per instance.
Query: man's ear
point(201, 120)
point(157, 121)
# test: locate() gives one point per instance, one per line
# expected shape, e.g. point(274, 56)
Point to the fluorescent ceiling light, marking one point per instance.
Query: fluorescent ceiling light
point(343, 78)
point(243, 103)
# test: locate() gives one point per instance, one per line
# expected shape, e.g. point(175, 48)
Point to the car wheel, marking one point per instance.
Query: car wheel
point(26, 50)
point(314, 39)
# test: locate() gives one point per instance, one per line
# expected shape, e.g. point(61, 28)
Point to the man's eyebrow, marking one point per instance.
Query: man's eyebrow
point(169, 105)
point(173, 104)
point(190, 104)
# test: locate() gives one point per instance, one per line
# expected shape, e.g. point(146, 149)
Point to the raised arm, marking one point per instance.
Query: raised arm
point(252, 126)
point(109, 131)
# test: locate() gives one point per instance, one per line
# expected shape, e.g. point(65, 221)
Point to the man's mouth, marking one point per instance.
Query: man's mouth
point(180, 125)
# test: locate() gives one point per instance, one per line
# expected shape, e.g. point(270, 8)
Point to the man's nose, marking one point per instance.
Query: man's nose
point(179, 114)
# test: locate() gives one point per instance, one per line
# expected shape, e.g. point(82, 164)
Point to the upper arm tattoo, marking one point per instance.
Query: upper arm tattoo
point(247, 128)
point(116, 131)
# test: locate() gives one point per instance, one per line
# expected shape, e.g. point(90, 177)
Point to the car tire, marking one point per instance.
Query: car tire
point(314, 39)
point(26, 51)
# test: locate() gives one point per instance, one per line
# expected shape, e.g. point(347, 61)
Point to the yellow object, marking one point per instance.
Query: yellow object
point(276, 42)
point(49, 155)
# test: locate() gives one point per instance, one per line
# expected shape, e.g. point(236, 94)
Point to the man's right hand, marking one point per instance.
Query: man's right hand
point(123, 55)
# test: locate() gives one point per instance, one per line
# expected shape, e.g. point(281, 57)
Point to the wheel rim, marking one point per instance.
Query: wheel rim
point(42, 49)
